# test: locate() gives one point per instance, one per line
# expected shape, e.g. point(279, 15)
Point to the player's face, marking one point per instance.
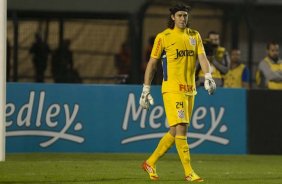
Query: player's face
point(180, 19)
point(235, 56)
point(214, 38)
point(273, 51)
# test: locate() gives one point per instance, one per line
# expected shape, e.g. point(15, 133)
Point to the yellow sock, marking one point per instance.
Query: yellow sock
point(165, 143)
point(183, 152)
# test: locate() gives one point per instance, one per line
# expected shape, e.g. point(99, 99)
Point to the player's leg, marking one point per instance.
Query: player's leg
point(150, 164)
point(182, 147)
point(181, 139)
point(164, 145)
point(184, 153)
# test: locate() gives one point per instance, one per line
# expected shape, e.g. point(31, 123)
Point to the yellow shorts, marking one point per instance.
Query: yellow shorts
point(178, 107)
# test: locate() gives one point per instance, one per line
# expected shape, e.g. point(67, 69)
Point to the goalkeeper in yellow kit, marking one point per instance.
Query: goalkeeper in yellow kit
point(179, 47)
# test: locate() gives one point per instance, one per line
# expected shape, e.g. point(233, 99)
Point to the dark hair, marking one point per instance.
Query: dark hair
point(209, 47)
point(271, 43)
point(175, 8)
point(212, 32)
point(235, 48)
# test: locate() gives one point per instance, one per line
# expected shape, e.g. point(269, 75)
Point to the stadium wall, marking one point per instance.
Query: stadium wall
point(107, 118)
point(265, 122)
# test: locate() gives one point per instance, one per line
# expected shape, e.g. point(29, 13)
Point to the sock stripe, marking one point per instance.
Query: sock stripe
point(181, 137)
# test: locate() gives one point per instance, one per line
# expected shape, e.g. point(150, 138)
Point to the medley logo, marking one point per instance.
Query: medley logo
point(75, 118)
point(200, 130)
point(36, 118)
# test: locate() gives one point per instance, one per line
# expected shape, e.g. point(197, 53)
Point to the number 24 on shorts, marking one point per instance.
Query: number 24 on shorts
point(179, 105)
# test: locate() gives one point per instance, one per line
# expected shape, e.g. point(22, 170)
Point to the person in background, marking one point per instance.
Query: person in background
point(220, 62)
point(178, 47)
point(62, 64)
point(269, 73)
point(123, 62)
point(238, 74)
point(40, 51)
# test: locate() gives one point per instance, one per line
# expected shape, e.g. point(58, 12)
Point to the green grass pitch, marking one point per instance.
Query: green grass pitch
point(77, 168)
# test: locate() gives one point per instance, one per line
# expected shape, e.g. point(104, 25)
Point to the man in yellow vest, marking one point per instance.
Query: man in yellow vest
point(220, 62)
point(269, 73)
point(238, 74)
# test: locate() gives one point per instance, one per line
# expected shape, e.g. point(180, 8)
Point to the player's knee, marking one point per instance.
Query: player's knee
point(172, 131)
point(181, 129)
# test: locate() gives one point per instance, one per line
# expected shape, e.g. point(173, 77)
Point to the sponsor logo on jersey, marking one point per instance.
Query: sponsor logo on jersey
point(186, 88)
point(183, 53)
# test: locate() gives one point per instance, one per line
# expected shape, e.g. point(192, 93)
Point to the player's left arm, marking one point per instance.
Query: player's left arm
point(204, 63)
point(201, 55)
point(209, 84)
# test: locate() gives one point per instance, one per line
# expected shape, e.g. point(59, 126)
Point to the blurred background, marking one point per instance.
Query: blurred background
point(94, 35)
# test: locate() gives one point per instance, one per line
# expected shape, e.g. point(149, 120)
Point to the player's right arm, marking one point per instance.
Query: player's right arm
point(150, 71)
point(146, 99)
